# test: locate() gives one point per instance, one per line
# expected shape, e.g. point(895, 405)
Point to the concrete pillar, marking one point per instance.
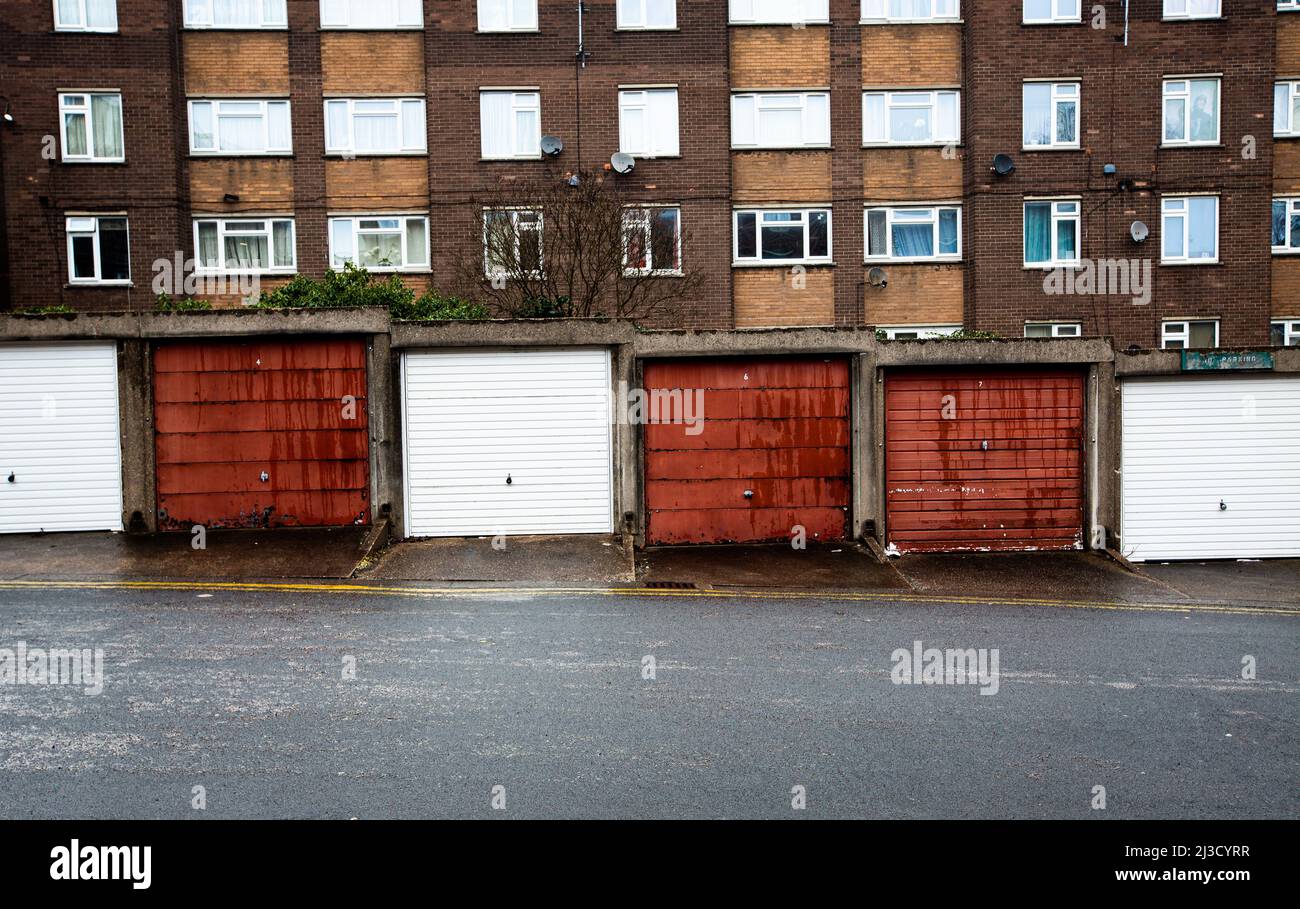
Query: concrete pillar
point(135, 419)
point(383, 406)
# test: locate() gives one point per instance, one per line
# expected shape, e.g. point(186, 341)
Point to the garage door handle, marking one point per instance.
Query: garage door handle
point(749, 493)
point(984, 446)
point(1223, 506)
point(509, 480)
point(11, 477)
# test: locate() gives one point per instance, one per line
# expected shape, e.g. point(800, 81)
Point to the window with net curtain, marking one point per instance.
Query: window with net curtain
point(912, 233)
point(244, 244)
point(235, 13)
point(1051, 114)
point(380, 242)
point(1051, 232)
point(95, 15)
point(510, 124)
point(92, 126)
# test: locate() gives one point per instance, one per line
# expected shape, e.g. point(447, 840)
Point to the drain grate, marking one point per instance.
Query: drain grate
point(670, 585)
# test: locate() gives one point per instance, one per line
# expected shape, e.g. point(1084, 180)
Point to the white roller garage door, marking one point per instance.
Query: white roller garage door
point(513, 442)
point(1211, 468)
point(60, 451)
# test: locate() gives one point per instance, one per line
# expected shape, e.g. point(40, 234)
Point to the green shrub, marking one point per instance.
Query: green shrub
point(166, 303)
point(46, 310)
point(546, 308)
point(432, 306)
point(347, 289)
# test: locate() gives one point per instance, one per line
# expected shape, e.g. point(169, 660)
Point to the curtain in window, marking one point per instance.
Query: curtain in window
point(237, 12)
point(494, 116)
point(528, 134)
point(911, 124)
point(247, 251)
point(1205, 117)
point(1281, 107)
point(207, 251)
point(633, 137)
point(1279, 224)
point(947, 232)
point(336, 124)
point(413, 128)
point(416, 241)
point(69, 12)
point(201, 126)
point(240, 133)
point(913, 241)
point(277, 125)
point(877, 228)
point(1201, 240)
point(106, 114)
point(660, 13)
point(341, 242)
point(275, 11)
point(101, 13)
point(1038, 232)
point(662, 138)
point(283, 234)
point(742, 121)
point(873, 118)
point(380, 250)
point(663, 239)
point(1038, 114)
point(1066, 248)
point(1066, 122)
point(375, 133)
point(76, 134)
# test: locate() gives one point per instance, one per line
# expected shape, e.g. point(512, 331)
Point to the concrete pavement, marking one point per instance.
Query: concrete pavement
point(241, 691)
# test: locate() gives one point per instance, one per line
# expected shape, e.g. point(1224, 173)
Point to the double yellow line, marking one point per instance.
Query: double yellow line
point(887, 596)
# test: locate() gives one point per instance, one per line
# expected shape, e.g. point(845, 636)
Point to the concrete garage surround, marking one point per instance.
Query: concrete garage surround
point(869, 359)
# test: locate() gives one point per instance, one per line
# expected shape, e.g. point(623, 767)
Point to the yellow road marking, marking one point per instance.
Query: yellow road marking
point(739, 593)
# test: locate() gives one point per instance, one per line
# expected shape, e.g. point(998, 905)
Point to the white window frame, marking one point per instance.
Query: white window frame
point(1167, 95)
point(395, 22)
point(1292, 89)
point(81, 25)
point(757, 260)
point(1288, 6)
point(538, 226)
point(400, 107)
point(266, 150)
point(875, 11)
point(1169, 334)
point(356, 231)
point(810, 131)
point(200, 14)
point(1057, 216)
point(894, 99)
point(798, 15)
point(1290, 331)
point(638, 217)
point(642, 24)
point(516, 106)
point(88, 111)
point(1057, 97)
point(1292, 204)
point(891, 218)
point(1188, 13)
point(1056, 18)
point(1057, 329)
point(922, 332)
point(653, 143)
point(225, 227)
point(512, 24)
point(1167, 210)
point(69, 233)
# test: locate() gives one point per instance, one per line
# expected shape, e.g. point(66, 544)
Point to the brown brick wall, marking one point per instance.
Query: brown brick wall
point(780, 57)
point(911, 55)
point(377, 184)
point(236, 62)
point(1286, 287)
point(770, 297)
point(781, 176)
point(1288, 45)
point(911, 174)
point(382, 63)
point(1286, 166)
point(917, 295)
point(262, 184)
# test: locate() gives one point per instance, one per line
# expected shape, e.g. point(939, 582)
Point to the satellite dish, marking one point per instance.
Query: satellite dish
point(552, 146)
point(1138, 231)
point(1003, 166)
point(622, 163)
point(878, 277)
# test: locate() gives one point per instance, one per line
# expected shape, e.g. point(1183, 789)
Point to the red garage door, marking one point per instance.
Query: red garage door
point(984, 460)
point(261, 433)
point(777, 429)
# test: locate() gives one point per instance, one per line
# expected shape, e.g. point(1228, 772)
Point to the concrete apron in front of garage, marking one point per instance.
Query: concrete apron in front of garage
point(307, 552)
point(587, 559)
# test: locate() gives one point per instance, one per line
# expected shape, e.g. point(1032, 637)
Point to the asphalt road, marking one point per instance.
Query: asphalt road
point(241, 692)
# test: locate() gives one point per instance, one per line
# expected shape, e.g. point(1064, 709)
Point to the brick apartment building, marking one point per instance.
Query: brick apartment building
point(830, 161)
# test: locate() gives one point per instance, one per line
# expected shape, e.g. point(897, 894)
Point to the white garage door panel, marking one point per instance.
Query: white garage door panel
point(1191, 443)
point(59, 438)
point(541, 418)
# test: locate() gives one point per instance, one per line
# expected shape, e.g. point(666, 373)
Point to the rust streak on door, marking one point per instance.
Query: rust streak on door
point(261, 433)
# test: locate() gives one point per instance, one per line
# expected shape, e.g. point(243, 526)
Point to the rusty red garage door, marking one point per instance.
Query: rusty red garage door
point(984, 460)
point(260, 433)
point(777, 429)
